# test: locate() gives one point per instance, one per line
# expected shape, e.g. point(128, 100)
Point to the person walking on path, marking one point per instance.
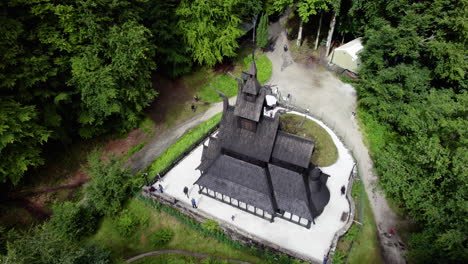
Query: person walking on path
point(186, 191)
point(391, 232)
point(194, 204)
point(343, 190)
point(160, 188)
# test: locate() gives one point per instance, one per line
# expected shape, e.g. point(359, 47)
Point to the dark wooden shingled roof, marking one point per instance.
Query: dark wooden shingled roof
point(257, 145)
point(251, 86)
point(250, 110)
point(240, 180)
point(290, 191)
point(210, 153)
point(293, 149)
point(319, 193)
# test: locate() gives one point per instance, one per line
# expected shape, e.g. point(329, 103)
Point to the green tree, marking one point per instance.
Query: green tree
point(210, 29)
point(262, 32)
point(412, 83)
point(305, 8)
point(43, 245)
point(110, 185)
point(72, 220)
point(21, 139)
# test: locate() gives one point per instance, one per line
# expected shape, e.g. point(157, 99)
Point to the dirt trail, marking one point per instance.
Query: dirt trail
point(333, 101)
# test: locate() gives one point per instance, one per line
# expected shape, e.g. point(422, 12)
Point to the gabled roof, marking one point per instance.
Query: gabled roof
point(250, 110)
point(239, 180)
point(293, 149)
point(209, 153)
point(257, 145)
point(319, 193)
point(290, 191)
point(251, 86)
point(253, 68)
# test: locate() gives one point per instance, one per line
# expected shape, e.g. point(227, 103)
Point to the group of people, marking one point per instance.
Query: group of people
point(194, 203)
point(160, 188)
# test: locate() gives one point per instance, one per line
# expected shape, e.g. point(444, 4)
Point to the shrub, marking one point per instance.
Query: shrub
point(339, 257)
point(161, 237)
point(72, 220)
point(127, 223)
point(110, 185)
point(212, 226)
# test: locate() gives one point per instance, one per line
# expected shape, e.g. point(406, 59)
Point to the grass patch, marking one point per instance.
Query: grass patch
point(224, 82)
point(325, 152)
point(134, 149)
point(181, 144)
point(177, 259)
point(360, 244)
point(139, 242)
point(178, 112)
point(366, 247)
point(264, 66)
point(374, 132)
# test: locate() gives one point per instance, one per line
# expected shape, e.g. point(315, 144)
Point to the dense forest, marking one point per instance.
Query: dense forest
point(76, 69)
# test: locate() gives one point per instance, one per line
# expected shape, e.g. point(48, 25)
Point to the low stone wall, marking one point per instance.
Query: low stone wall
point(229, 230)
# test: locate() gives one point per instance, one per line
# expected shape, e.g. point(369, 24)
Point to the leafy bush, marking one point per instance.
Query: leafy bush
point(339, 257)
point(212, 226)
point(110, 185)
point(43, 244)
point(161, 237)
point(352, 233)
point(72, 220)
point(127, 223)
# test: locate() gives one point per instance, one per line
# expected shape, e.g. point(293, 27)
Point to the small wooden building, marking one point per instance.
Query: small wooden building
point(254, 166)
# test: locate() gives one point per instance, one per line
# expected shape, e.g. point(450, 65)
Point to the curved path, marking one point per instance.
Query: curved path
point(182, 252)
point(331, 100)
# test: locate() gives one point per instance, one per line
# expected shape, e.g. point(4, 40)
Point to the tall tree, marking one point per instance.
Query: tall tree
point(210, 29)
point(21, 139)
point(110, 184)
point(335, 10)
point(262, 32)
point(77, 66)
point(413, 84)
point(305, 8)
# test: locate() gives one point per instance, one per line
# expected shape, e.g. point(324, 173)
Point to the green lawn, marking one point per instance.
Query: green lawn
point(177, 259)
point(360, 246)
point(325, 152)
point(182, 144)
point(185, 237)
point(226, 83)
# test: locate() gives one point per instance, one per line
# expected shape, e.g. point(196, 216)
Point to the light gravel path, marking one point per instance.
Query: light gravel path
point(181, 252)
point(333, 101)
point(159, 143)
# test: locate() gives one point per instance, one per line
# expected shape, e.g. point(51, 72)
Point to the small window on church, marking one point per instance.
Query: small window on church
point(248, 124)
point(249, 97)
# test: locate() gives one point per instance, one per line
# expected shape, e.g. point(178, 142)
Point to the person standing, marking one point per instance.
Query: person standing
point(186, 191)
point(160, 188)
point(194, 204)
point(343, 190)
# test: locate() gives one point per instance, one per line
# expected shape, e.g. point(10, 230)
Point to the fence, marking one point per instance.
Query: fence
point(195, 223)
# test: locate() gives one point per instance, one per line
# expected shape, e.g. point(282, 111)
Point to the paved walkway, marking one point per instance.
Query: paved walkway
point(159, 143)
point(333, 101)
point(181, 252)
